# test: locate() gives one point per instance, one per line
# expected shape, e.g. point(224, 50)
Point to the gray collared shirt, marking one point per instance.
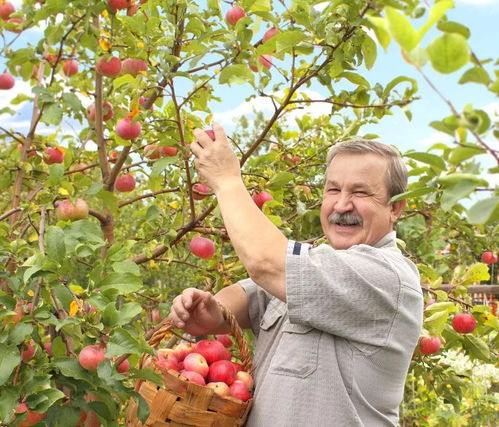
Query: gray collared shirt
point(338, 351)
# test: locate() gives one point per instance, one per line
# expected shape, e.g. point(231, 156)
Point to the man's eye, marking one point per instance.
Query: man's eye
point(333, 190)
point(360, 193)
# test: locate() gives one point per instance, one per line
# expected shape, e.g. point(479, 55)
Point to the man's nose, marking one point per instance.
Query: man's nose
point(343, 203)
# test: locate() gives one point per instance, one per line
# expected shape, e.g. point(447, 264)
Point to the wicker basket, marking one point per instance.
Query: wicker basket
point(183, 403)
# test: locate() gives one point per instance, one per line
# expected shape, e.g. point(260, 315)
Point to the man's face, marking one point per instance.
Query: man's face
point(354, 207)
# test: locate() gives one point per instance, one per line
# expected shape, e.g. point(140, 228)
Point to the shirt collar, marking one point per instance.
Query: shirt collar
point(387, 240)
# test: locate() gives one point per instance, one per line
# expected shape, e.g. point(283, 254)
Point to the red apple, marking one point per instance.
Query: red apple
point(167, 363)
point(222, 370)
point(32, 417)
point(193, 377)
point(113, 156)
point(219, 388)
point(127, 129)
point(28, 351)
point(31, 153)
point(225, 340)
point(168, 151)
point(132, 10)
point(238, 390)
point(123, 366)
point(489, 258)
point(115, 5)
point(464, 323)
point(261, 197)
point(70, 67)
point(48, 347)
point(91, 356)
point(124, 183)
point(234, 15)
point(210, 133)
point(197, 363)
point(270, 33)
point(167, 353)
point(151, 151)
point(202, 247)
point(67, 210)
point(429, 345)
point(143, 100)
point(156, 316)
point(53, 155)
point(6, 81)
point(182, 350)
point(212, 350)
point(109, 66)
point(6, 9)
point(292, 159)
point(133, 66)
point(16, 25)
point(246, 378)
point(107, 111)
point(237, 366)
point(200, 191)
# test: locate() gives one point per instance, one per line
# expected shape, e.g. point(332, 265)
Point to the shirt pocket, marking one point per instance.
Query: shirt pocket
point(298, 351)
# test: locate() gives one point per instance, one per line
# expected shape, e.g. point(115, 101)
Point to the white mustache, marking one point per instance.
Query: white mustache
point(346, 218)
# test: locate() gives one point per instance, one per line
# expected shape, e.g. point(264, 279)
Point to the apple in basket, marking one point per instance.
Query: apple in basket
point(239, 390)
point(197, 363)
point(220, 388)
point(195, 377)
point(212, 350)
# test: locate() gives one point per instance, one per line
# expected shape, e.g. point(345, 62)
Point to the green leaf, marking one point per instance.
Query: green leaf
point(123, 80)
point(369, 51)
point(126, 267)
point(441, 306)
point(475, 273)
point(454, 178)
point(429, 159)
point(236, 73)
point(476, 347)
point(437, 11)
point(56, 173)
point(401, 79)
point(72, 101)
point(475, 75)
point(355, 78)
point(454, 27)
point(451, 195)
point(9, 359)
point(401, 29)
point(286, 41)
point(460, 154)
point(110, 315)
point(123, 283)
point(280, 180)
point(52, 114)
point(484, 211)
point(69, 367)
point(54, 243)
point(435, 324)
point(413, 194)
point(448, 53)
point(121, 342)
point(9, 399)
point(127, 312)
point(20, 333)
point(42, 400)
point(381, 30)
point(143, 410)
point(259, 6)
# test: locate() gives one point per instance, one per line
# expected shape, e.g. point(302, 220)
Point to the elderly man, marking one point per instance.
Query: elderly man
point(336, 324)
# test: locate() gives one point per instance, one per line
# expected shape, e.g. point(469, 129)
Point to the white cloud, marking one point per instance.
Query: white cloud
point(477, 2)
point(433, 139)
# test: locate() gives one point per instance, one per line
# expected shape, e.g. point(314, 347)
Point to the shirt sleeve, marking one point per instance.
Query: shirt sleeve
point(258, 300)
point(352, 293)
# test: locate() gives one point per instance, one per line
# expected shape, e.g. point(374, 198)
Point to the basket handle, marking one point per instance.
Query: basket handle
point(235, 330)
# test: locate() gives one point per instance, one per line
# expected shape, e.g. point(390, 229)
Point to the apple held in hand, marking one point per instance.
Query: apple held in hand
point(196, 363)
point(464, 323)
point(67, 210)
point(53, 155)
point(128, 129)
point(210, 133)
point(200, 191)
point(70, 67)
point(107, 111)
point(91, 356)
point(238, 390)
point(6, 81)
point(124, 183)
point(202, 247)
point(234, 15)
point(109, 66)
point(430, 345)
point(261, 197)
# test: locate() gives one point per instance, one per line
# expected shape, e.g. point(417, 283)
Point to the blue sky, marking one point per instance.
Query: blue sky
point(481, 16)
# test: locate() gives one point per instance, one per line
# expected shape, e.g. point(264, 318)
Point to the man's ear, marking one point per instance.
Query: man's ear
point(397, 209)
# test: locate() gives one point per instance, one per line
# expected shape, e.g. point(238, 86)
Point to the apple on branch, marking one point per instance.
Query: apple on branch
point(261, 197)
point(107, 111)
point(270, 33)
point(234, 15)
point(128, 129)
point(31, 419)
point(133, 66)
point(109, 66)
point(202, 247)
point(125, 183)
point(91, 356)
point(53, 155)
point(488, 257)
point(464, 323)
point(115, 5)
point(70, 67)
point(6, 9)
point(429, 345)
point(6, 81)
point(67, 210)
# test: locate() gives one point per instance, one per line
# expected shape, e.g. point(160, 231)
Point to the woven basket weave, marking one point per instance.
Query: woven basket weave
point(183, 403)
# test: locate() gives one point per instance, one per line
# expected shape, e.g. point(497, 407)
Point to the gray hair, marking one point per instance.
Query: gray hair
point(396, 176)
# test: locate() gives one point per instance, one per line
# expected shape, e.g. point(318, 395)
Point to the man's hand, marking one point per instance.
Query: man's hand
point(197, 312)
point(215, 160)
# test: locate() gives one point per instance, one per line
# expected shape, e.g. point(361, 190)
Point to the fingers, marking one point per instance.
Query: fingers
point(184, 304)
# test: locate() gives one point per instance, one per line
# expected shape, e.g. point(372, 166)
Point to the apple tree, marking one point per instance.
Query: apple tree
point(104, 219)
